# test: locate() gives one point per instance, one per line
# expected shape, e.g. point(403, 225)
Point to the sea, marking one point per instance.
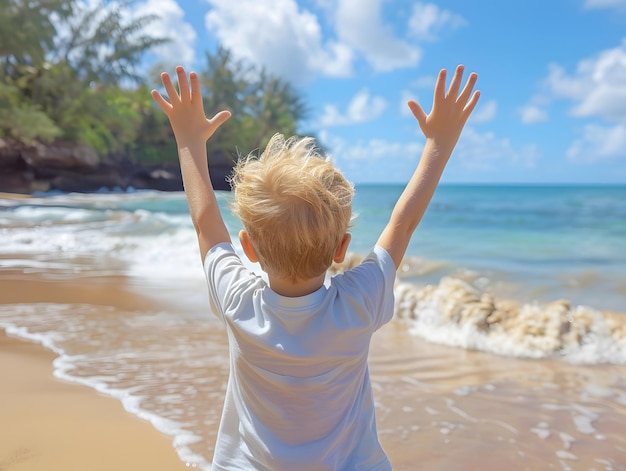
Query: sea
point(508, 347)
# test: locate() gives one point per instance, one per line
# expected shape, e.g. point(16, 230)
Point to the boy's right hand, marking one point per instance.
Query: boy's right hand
point(185, 109)
point(449, 112)
point(192, 129)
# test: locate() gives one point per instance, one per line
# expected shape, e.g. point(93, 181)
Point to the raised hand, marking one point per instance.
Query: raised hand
point(450, 110)
point(185, 109)
point(442, 128)
point(191, 127)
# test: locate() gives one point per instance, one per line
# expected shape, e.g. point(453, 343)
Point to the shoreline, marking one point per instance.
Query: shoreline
point(54, 425)
point(430, 398)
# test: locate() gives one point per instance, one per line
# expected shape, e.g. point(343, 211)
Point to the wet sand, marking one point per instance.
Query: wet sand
point(48, 424)
point(52, 425)
point(452, 409)
point(438, 408)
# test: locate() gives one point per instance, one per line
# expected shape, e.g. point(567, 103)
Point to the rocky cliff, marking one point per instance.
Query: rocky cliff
point(74, 168)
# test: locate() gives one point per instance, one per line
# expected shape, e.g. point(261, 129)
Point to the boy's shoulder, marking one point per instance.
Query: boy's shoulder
point(223, 265)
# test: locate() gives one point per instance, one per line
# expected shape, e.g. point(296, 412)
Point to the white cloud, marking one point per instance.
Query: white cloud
point(360, 25)
point(279, 36)
point(484, 112)
point(596, 91)
point(480, 151)
point(533, 114)
point(486, 151)
point(361, 160)
point(363, 107)
point(599, 143)
point(620, 4)
point(294, 43)
point(179, 50)
point(475, 153)
point(378, 149)
point(427, 20)
point(597, 88)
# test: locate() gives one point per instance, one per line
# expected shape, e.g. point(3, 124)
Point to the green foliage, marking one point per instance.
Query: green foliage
point(22, 120)
point(261, 105)
point(27, 31)
point(75, 85)
point(103, 47)
point(70, 85)
point(154, 141)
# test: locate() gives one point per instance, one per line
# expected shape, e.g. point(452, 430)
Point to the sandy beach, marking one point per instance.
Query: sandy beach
point(53, 425)
point(48, 424)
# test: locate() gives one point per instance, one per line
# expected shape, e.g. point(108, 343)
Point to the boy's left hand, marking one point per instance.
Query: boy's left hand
point(185, 109)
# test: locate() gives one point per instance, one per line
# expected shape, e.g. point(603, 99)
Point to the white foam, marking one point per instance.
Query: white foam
point(456, 314)
point(542, 433)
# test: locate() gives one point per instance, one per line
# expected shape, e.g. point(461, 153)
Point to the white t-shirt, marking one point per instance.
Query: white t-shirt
point(299, 395)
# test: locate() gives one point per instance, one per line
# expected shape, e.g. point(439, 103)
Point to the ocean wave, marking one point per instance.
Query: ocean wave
point(150, 236)
point(455, 313)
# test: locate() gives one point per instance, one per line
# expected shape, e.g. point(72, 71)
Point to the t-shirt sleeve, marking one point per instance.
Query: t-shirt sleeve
point(374, 278)
point(227, 278)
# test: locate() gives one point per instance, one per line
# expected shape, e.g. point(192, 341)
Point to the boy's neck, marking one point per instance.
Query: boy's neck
point(294, 289)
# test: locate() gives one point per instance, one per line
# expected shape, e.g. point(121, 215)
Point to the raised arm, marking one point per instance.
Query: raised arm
point(192, 129)
point(442, 128)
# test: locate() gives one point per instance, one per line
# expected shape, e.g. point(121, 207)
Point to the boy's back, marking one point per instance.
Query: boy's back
point(299, 395)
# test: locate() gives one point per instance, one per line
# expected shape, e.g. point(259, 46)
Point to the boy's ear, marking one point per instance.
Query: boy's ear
point(247, 246)
point(342, 249)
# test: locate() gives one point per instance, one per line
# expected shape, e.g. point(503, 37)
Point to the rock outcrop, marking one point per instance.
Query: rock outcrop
point(69, 167)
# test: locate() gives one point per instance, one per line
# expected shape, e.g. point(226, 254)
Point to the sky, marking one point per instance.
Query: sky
point(552, 76)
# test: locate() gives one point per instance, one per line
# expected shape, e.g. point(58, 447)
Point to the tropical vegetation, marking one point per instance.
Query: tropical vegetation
point(70, 73)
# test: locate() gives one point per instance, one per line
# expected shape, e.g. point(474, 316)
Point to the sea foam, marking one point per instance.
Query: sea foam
point(457, 314)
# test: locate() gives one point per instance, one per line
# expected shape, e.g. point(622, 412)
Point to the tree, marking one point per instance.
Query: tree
point(104, 43)
point(261, 105)
point(26, 34)
point(69, 72)
point(21, 120)
point(27, 31)
point(65, 71)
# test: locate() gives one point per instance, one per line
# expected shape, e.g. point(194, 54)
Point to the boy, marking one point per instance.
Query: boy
point(299, 394)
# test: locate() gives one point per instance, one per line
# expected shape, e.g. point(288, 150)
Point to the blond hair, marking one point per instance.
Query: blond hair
point(294, 204)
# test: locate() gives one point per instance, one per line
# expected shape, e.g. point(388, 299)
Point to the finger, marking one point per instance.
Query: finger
point(417, 111)
point(183, 84)
point(220, 118)
point(455, 85)
point(162, 102)
point(471, 104)
point(440, 88)
point(469, 86)
point(169, 87)
point(195, 87)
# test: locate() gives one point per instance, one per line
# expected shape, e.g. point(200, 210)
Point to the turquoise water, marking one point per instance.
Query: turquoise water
point(549, 241)
point(530, 243)
point(511, 224)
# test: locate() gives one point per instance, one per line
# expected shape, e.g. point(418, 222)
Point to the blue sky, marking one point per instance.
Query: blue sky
point(552, 74)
